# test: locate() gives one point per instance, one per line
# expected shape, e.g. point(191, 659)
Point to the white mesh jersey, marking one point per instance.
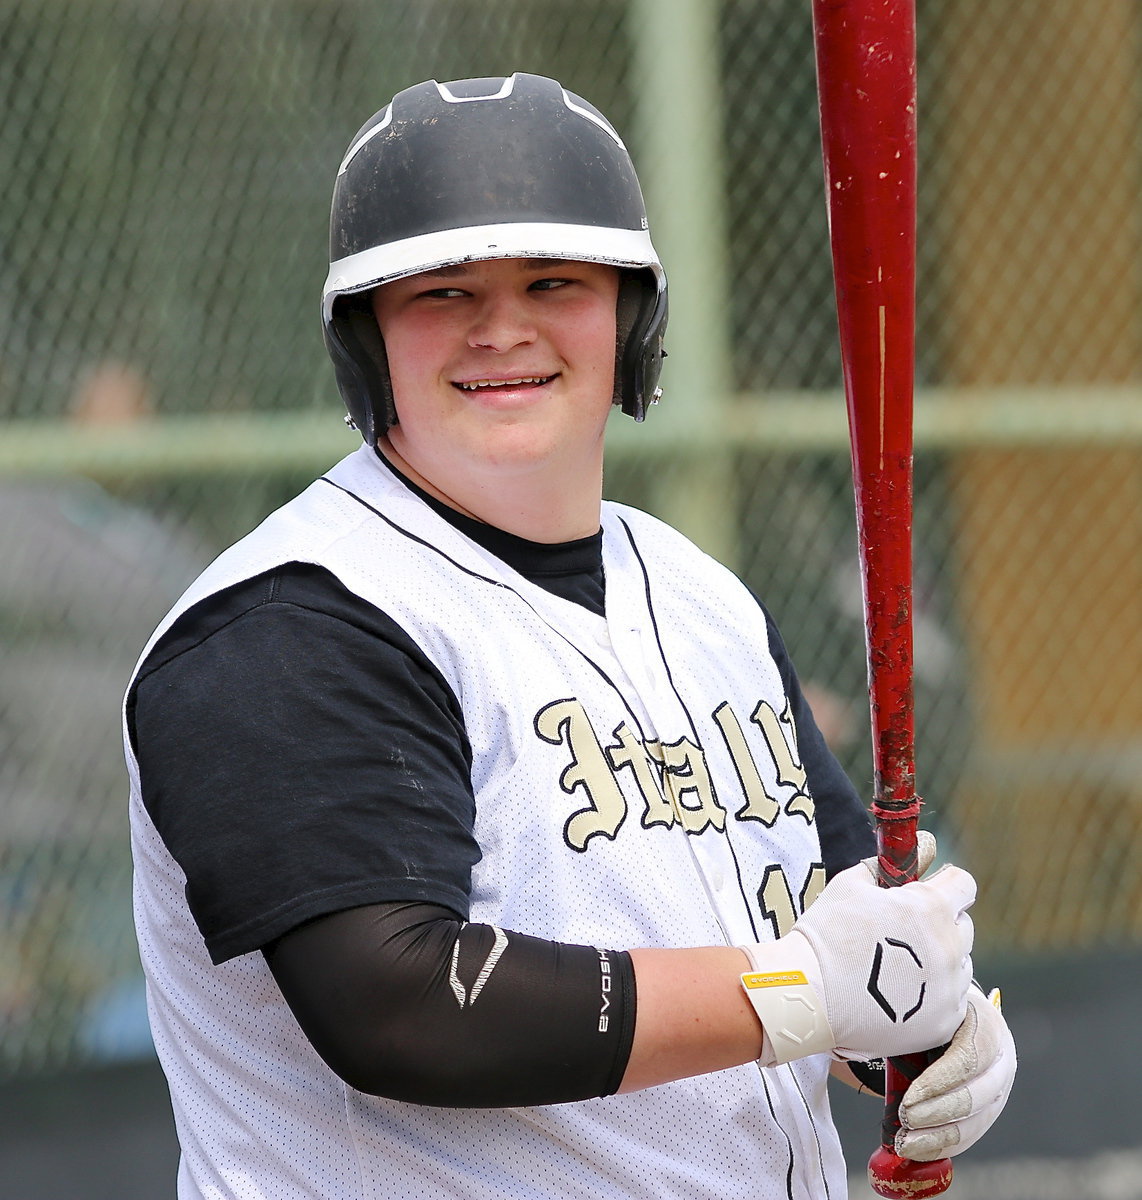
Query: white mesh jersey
point(637, 783)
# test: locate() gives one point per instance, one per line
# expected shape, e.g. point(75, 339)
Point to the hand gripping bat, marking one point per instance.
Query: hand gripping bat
point(866, 84)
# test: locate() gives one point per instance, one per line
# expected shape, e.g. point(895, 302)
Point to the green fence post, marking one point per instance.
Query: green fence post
point(677, 146)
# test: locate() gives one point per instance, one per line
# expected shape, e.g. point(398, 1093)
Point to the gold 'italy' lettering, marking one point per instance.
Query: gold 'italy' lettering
point(565, 722)
point(759, 804)
point(630, 751)
point(688, 776)
point(781, 738)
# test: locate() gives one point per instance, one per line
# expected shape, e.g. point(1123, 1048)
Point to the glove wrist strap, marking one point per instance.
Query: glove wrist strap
point(792, 1014)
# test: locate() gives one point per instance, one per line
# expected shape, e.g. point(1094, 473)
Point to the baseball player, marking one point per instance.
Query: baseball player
point(485, 844)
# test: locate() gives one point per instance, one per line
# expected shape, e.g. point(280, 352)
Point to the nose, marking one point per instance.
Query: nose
point(502, 323)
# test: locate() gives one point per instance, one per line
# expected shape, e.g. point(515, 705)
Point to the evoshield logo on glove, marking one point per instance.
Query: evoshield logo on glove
point(773, 979)
point(889, 972)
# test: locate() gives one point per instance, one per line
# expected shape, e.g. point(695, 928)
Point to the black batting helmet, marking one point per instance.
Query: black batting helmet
point(513, 167)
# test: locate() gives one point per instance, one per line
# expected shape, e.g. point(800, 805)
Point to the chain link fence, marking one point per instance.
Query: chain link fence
point(165, 172)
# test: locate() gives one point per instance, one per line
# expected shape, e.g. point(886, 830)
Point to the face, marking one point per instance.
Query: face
point(501, 369)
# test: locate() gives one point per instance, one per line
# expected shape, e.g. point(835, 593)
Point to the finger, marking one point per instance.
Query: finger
point(987, 1091)
point(924, 1145)
point(946, 1076)
point(925, 855)
point(953, 883)
point(975, 1051)
point(988, 1088)
point(925, 852)
point(951, 1121)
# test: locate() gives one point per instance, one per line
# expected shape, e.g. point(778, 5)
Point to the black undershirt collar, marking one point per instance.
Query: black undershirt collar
point(572, 570)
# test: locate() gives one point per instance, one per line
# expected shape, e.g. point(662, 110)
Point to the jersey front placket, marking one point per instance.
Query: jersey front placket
point(684, 767)
point(704, 815)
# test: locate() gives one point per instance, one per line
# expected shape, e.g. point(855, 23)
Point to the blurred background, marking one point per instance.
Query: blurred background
point(165, 173)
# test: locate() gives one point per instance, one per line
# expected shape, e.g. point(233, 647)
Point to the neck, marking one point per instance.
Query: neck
point(546, 508)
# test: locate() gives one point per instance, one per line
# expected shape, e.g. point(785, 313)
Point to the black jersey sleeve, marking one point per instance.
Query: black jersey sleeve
point(843, 822)
point(298, 755)
point(431, 1010)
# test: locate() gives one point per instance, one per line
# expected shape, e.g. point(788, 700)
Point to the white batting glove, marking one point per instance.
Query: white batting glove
point(955, 1101)
point(867, 972)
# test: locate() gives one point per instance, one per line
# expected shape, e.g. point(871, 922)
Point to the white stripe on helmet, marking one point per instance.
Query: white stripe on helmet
point(585, 243)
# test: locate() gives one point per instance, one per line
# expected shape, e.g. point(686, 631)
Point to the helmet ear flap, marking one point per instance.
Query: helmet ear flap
point(626, 318)
point(640, 326)
point(361, 365)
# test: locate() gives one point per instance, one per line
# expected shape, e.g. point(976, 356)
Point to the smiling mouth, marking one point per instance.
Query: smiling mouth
point(486, 385)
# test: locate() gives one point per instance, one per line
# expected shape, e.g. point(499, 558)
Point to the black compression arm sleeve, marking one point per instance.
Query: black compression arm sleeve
point(409, 1002)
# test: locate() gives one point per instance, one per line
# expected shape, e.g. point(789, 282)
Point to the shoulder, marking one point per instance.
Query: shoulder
point(296, 632)
point(273, 597)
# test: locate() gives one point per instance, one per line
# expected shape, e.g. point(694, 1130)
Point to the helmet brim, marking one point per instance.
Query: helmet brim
point(624, 248)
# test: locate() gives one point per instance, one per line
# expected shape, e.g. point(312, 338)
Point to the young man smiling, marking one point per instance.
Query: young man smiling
point(485, 844)
point(505, 370)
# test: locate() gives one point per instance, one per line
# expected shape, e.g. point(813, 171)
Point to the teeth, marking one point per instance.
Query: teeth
point(474, 384)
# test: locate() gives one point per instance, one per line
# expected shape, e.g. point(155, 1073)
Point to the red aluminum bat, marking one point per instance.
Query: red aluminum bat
point(866, 82)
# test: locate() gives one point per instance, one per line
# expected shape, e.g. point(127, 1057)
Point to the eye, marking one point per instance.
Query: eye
point(441, 293)
point(547, 285)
